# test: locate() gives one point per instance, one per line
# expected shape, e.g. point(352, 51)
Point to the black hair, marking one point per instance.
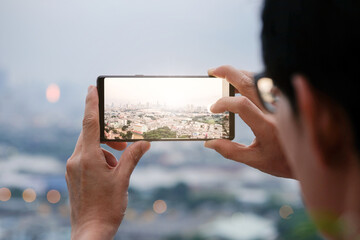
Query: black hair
point(319, 39)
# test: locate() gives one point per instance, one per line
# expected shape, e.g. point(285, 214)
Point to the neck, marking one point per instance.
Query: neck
point(351, 213)
point(348, 221)
point(338, 216)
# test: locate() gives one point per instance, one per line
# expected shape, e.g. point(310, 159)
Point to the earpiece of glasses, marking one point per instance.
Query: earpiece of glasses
point(268, 93)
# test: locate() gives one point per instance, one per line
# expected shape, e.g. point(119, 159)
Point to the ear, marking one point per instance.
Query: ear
point(324, 122)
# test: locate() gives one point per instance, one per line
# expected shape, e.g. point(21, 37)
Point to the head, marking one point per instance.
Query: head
point(308, 50)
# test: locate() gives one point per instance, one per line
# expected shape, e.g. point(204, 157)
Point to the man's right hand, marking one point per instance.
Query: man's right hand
point(265, 153)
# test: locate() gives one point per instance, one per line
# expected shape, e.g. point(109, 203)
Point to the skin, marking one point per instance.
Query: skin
point(314, 146)
point(265, 153)
point(320, 149)
point(97, 182)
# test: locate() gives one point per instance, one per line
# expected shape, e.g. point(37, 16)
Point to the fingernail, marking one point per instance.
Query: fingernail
point(211, 71)
point(208, 144)
point(90, 88)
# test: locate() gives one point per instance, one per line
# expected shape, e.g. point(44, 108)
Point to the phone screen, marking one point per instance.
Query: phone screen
point(163, 108)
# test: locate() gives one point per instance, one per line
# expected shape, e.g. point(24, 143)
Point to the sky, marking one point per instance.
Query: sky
point(72, 42)
point(175, 92)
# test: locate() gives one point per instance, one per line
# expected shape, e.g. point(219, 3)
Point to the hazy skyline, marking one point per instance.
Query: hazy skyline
point(174, 92)
point(70, 43)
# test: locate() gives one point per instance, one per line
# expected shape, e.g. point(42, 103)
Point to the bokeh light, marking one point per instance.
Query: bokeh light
point(53, 196)
point(286, 212)
point(5, 194)
point(53, 93)
point(29, 195)
point(159, 206)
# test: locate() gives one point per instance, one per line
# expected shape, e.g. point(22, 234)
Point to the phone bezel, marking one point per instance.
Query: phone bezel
point(100, 88)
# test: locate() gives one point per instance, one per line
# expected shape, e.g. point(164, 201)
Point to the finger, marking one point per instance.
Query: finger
point(110, 159)
point(246, 109)
point(232, 150)
point(117, 145)
point(241, 80)
point(91, 128)
point(78, 145)
point(131, 157)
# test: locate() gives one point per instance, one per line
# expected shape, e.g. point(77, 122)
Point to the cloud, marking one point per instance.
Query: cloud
point(29, 171)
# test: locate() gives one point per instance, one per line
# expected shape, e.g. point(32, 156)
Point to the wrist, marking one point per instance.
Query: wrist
point(93, 231)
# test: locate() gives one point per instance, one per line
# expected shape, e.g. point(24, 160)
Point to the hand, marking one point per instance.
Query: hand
point(97, 182)
point(265, 153)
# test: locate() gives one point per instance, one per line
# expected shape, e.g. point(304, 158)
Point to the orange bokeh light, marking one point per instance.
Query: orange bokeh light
point(5, 194)
point(286, 212)
point(29, 195)
point(53, 196)
point(53, 93)
point(159, 206)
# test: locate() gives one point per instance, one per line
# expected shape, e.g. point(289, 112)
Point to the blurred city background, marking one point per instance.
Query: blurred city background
point(51, 50)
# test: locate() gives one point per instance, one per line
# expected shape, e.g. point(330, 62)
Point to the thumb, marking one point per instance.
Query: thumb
point(131, 157)
point(91, 128)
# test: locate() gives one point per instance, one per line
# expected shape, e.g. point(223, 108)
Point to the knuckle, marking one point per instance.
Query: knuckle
point(247, 81)
point(228, 71)
point(90, 119)
point(134, 155)
point(247, 86)
point(226, 67)
point(243, 82)
point(243, 102)
point(85, 165)
point(70, 165)
point(224, 71)
point(84, 162)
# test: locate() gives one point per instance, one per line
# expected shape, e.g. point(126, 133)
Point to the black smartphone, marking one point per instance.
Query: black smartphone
point(163, 108)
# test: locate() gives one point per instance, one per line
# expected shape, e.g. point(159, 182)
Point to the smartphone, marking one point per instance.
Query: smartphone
point(163, 108)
